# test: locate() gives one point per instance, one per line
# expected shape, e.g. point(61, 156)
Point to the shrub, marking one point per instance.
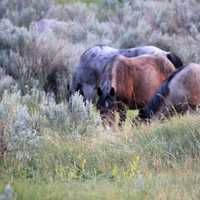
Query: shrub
point(75, 119)
point(28, 56)
point(23, 12)
point(24, 119)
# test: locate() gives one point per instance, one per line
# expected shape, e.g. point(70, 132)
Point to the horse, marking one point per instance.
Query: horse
point(179, 93)
point(130, 82)
point(87, 73)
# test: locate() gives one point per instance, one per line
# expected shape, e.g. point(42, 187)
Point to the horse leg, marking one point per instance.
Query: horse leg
point(184, 107)
point(122, 114)
point(193, 108)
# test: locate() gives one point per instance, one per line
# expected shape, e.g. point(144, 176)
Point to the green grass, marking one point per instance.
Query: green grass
point(156, 161)
point(179, 184)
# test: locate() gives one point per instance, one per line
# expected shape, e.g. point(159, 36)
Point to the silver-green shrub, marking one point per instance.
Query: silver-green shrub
point(74, 119)
point(23, 12)
point(83, 114)
point(24, 138)
point(6, 82)
point(20, 137)
point(27, 120)
point(28, 56)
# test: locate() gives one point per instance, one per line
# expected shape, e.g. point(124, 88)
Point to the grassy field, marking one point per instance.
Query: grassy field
point(157, 161)
point(51, 152)
point(166, 185)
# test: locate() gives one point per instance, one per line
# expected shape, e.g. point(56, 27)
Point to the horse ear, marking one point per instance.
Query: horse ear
point(112, 91)
point(99, 91)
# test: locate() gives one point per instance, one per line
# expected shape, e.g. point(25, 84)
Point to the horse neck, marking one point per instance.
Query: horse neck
point(157, 100)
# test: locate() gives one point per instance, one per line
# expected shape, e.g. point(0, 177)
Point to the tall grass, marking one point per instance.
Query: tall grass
point(160, 161)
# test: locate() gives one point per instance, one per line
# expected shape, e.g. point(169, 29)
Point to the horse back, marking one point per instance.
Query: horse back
point(186, 84)
point(160, 62)
point(136, 79)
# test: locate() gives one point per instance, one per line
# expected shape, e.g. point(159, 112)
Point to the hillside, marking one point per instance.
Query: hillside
point(48, 151)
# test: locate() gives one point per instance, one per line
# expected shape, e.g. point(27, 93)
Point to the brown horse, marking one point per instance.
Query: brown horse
point(177, 94)
point(131, 82)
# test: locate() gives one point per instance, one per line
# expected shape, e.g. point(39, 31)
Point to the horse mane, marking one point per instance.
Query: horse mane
point(158, 98)
point(107, 68)
point(107, 72)
point(171, 76)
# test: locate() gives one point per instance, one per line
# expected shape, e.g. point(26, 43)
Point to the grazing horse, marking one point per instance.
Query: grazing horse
point(93, 61)
point(130, 82)
point(177, 94)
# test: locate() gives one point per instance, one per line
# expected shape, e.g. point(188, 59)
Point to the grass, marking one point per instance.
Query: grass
point(156, 161)
point(175, 184)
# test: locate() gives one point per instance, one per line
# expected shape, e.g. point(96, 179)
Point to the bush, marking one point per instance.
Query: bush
point(28, 56)
point(23, 12)
point(24, 120)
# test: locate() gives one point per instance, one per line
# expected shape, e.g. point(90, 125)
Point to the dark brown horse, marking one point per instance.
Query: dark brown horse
point(131, 82)
point(179, 93)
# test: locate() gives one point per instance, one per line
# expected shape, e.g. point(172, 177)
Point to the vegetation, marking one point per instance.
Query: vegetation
point(52, 150)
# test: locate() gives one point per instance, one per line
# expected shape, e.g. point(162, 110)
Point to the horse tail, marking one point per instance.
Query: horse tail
point(177, 62)
point(158, 98)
